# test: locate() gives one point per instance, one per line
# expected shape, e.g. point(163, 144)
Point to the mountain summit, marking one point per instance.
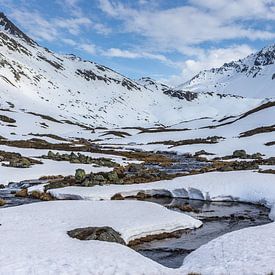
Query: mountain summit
point(253, 76)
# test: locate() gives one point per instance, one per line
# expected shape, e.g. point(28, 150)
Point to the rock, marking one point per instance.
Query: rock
point(51, 154)
point(41, 196)
point(19, 163)
point(23, 193)
point(256, 156)
point(98, 179)
point(80, 175)
point(46, 197)
point(239, 154)
point(226, 168)
point(186, 208)
point(104, 233)
point(134, 168)
point(112, 176)
point(117, 197)
point(2, 202)
point(35, 195)
point(87, 183)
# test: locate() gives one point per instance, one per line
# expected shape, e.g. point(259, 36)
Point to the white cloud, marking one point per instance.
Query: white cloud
point(36, 25)
point(69, 41)
point(88, 48)
point(115, 52)
point(72, 6)
point(177, 28)
point(72, 25)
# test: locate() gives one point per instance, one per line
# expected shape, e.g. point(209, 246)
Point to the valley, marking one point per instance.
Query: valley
point(153, 179)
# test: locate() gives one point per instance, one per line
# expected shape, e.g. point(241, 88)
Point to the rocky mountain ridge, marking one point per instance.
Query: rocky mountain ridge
point(253, 76)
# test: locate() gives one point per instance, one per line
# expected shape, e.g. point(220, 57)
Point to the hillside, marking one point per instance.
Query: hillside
point(34, 79)
point(253, 76)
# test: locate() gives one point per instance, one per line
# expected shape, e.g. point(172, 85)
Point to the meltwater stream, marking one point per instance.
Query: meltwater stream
point(218, 218)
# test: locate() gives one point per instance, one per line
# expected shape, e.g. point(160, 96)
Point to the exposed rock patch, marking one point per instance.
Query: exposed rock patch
point(104, 233)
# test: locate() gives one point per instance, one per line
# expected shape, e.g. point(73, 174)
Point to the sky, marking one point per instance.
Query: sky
point(168, 40)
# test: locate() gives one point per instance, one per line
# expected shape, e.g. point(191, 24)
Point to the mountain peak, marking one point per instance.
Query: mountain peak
point(255, 72)
point(266, 56)
point(8, 26)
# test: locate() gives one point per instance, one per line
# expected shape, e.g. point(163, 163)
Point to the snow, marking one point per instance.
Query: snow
point(241, 77)
point(226, 146)
point(247, 186)
point(34, 240)
point(50, 167)
point(100, 98)
point(247, 251)
point(33, 237)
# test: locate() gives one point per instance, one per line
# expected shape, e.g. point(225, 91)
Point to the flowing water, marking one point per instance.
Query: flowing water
point(218, 218)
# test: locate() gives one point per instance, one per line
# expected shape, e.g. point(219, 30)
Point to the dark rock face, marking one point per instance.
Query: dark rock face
point(105, 233)
point(189, 96)
point(89, 75)
point(9, 26)
point(265, 56)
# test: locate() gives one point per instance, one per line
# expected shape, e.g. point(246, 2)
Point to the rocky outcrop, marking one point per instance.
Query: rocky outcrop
point(105, 233)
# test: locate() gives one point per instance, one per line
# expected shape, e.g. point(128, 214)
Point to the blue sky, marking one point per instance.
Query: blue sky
point(169, 40)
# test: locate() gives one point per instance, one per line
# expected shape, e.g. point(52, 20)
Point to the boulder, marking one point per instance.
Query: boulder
point(239, 154)
point(51, 154)
point(23, 193)
point(2, 202)
point(113, 177)
point(80, 175)
point(104, 233)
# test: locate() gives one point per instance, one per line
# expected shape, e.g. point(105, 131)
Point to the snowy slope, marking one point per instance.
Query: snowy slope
point(253, 76)
point(35, 79)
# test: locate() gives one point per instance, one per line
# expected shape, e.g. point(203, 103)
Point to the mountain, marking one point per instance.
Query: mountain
point(33, 79)
point(253, 76)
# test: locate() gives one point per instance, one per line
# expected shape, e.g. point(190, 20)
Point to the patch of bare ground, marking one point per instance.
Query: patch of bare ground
point(35, 143)
point(172, 143)
point(85, 127)
point(252, 111)
point(271, 143)
point(267, 171)
point(7, 119)
point(259, 130)
point(162, 130)
point(17, 160)
point(80, 158)
point(46, 117)
point(49, 136)
point(121, 134)
point(149, 238)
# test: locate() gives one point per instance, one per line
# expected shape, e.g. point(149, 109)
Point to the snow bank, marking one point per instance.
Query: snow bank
point(34, 240)
point(247, 251)
point(247, 186)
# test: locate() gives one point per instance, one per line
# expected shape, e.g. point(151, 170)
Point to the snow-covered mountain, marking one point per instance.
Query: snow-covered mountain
point(253, 76)
point(34, 79)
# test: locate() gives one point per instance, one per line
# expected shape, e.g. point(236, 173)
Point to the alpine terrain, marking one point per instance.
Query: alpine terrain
point(103, 174)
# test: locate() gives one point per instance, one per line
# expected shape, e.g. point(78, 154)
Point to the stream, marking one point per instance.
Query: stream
point(218, 218)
